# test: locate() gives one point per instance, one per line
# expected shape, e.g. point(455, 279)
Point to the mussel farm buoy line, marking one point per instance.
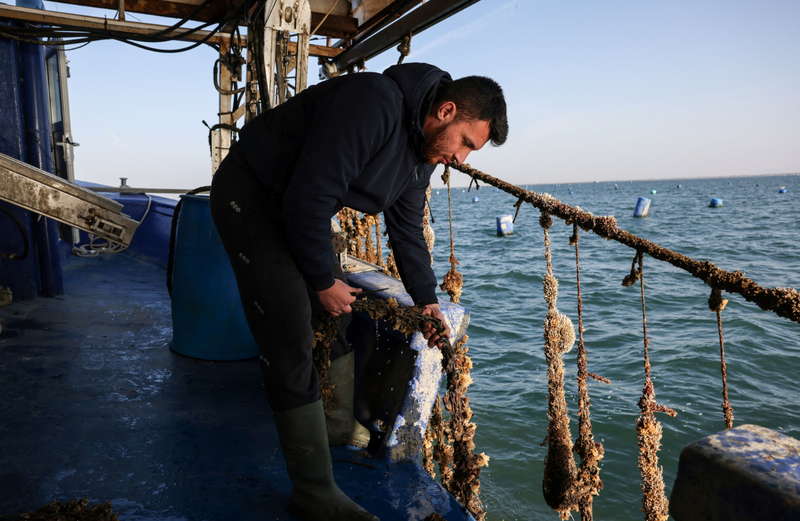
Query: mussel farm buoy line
point(648, 430)
point(588, 483)
point(560, 471)
point(716, 303)
point(784, 302)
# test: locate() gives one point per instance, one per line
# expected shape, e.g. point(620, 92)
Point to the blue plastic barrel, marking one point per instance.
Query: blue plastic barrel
point(782, 190)
point(207, 317)
point(505, 225)
point(475, 199)
point(715, 202)
point(642, 207)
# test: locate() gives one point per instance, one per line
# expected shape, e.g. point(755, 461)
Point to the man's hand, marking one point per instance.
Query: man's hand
point(337, 299)
point(430, 333)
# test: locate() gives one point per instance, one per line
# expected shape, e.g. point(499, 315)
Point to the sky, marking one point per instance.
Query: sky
point(596, 91)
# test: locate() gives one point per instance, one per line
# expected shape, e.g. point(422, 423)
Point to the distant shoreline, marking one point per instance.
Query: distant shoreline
point(648, 179)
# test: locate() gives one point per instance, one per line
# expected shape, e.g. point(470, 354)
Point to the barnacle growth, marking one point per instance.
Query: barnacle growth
point(560, 472)
point(324, 336)
point(460, 468)
point(648, 430)
point(588, 483)
point(73, 510)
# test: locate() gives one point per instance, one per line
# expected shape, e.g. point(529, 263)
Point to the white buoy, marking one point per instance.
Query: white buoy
point(505, 225)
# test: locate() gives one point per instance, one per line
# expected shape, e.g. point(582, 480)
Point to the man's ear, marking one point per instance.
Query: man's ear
point(446, 112)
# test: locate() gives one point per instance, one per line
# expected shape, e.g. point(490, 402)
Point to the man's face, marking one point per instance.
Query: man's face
point(448, 139)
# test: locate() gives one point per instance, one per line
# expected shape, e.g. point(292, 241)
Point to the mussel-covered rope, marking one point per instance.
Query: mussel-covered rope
point(785, 302)
point(716, 303)
point(462, 480)
point(406, 320)
point(588, 483)
point(648, 429)
point(560, 471)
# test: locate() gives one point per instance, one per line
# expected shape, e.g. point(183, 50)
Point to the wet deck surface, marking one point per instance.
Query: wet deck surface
point(96, 405)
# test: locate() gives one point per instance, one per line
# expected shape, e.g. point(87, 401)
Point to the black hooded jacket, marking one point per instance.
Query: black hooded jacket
point(355, 141)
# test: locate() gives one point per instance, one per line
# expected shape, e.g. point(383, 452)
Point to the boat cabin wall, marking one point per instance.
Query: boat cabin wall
point(25, 135)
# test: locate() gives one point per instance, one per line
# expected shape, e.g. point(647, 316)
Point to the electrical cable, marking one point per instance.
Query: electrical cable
point(173, 234)
point(29, 34)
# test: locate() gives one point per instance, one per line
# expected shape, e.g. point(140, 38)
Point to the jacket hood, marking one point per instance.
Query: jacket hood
point(418, 82)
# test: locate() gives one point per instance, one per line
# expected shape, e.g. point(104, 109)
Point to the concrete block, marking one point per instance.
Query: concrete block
point(746, 473)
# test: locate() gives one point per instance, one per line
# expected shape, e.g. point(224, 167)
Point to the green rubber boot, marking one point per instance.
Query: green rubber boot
point(343, 428)
point(315, 495)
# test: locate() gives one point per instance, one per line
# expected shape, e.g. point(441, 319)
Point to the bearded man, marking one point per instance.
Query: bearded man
point(365, 141)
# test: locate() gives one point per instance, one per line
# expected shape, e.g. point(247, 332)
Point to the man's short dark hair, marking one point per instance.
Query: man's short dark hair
point(481, 98)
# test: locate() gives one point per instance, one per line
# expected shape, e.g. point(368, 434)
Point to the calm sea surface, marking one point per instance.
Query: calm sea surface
point(757, 231)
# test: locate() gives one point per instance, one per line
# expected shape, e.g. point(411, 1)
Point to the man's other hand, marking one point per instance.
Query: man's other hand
point(337, 299)
point(430, 333)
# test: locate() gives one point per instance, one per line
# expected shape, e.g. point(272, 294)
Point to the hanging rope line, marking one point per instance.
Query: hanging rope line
point(560, 471)
point(460, 468)
point(785, 302)
point(453, 280)
point(716, 303)
point(648, 429)
point(588, 482)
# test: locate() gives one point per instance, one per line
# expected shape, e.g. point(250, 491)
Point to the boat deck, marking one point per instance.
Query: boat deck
point(96, 405)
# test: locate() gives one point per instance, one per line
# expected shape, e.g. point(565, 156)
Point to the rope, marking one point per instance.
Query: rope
point(453, 280)
point(404, 48)
point(716, 303)
point(588, 481)
point(560, 472)
point(785, 302)
point(648, 429)
point(323, 20)
point(459, 466)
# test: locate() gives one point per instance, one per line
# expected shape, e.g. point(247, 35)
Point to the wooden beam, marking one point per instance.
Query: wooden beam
point(318, 50)
point(335, 26)
point(24, 14)
point(173, 9)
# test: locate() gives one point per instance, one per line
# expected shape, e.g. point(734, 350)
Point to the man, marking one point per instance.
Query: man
point(366, 141)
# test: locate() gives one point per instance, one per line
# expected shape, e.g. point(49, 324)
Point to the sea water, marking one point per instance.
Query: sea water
point(756, 231)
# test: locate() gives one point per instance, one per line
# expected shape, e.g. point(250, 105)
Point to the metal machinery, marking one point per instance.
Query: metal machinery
point(278, 41)
point(274, 50)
